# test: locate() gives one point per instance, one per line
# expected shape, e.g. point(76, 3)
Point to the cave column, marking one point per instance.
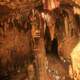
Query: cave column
point(39, 47)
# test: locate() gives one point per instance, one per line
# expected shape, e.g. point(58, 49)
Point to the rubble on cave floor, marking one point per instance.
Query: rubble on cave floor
point(58, 70)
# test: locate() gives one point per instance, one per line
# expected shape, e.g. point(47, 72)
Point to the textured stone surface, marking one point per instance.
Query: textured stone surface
point(75, 57)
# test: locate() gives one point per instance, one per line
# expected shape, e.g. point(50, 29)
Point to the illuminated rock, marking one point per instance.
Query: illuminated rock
point(75, 57)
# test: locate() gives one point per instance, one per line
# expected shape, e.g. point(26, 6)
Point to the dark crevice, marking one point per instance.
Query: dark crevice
point(54, 47)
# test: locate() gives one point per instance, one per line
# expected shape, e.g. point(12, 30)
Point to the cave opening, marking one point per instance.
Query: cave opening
point(51, 45)
point(54, 47)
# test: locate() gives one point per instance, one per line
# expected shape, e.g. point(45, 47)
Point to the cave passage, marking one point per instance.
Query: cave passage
point(54, 47)
point(51, 45)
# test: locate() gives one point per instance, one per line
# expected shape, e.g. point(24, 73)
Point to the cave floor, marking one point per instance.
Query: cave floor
point(57, 70)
